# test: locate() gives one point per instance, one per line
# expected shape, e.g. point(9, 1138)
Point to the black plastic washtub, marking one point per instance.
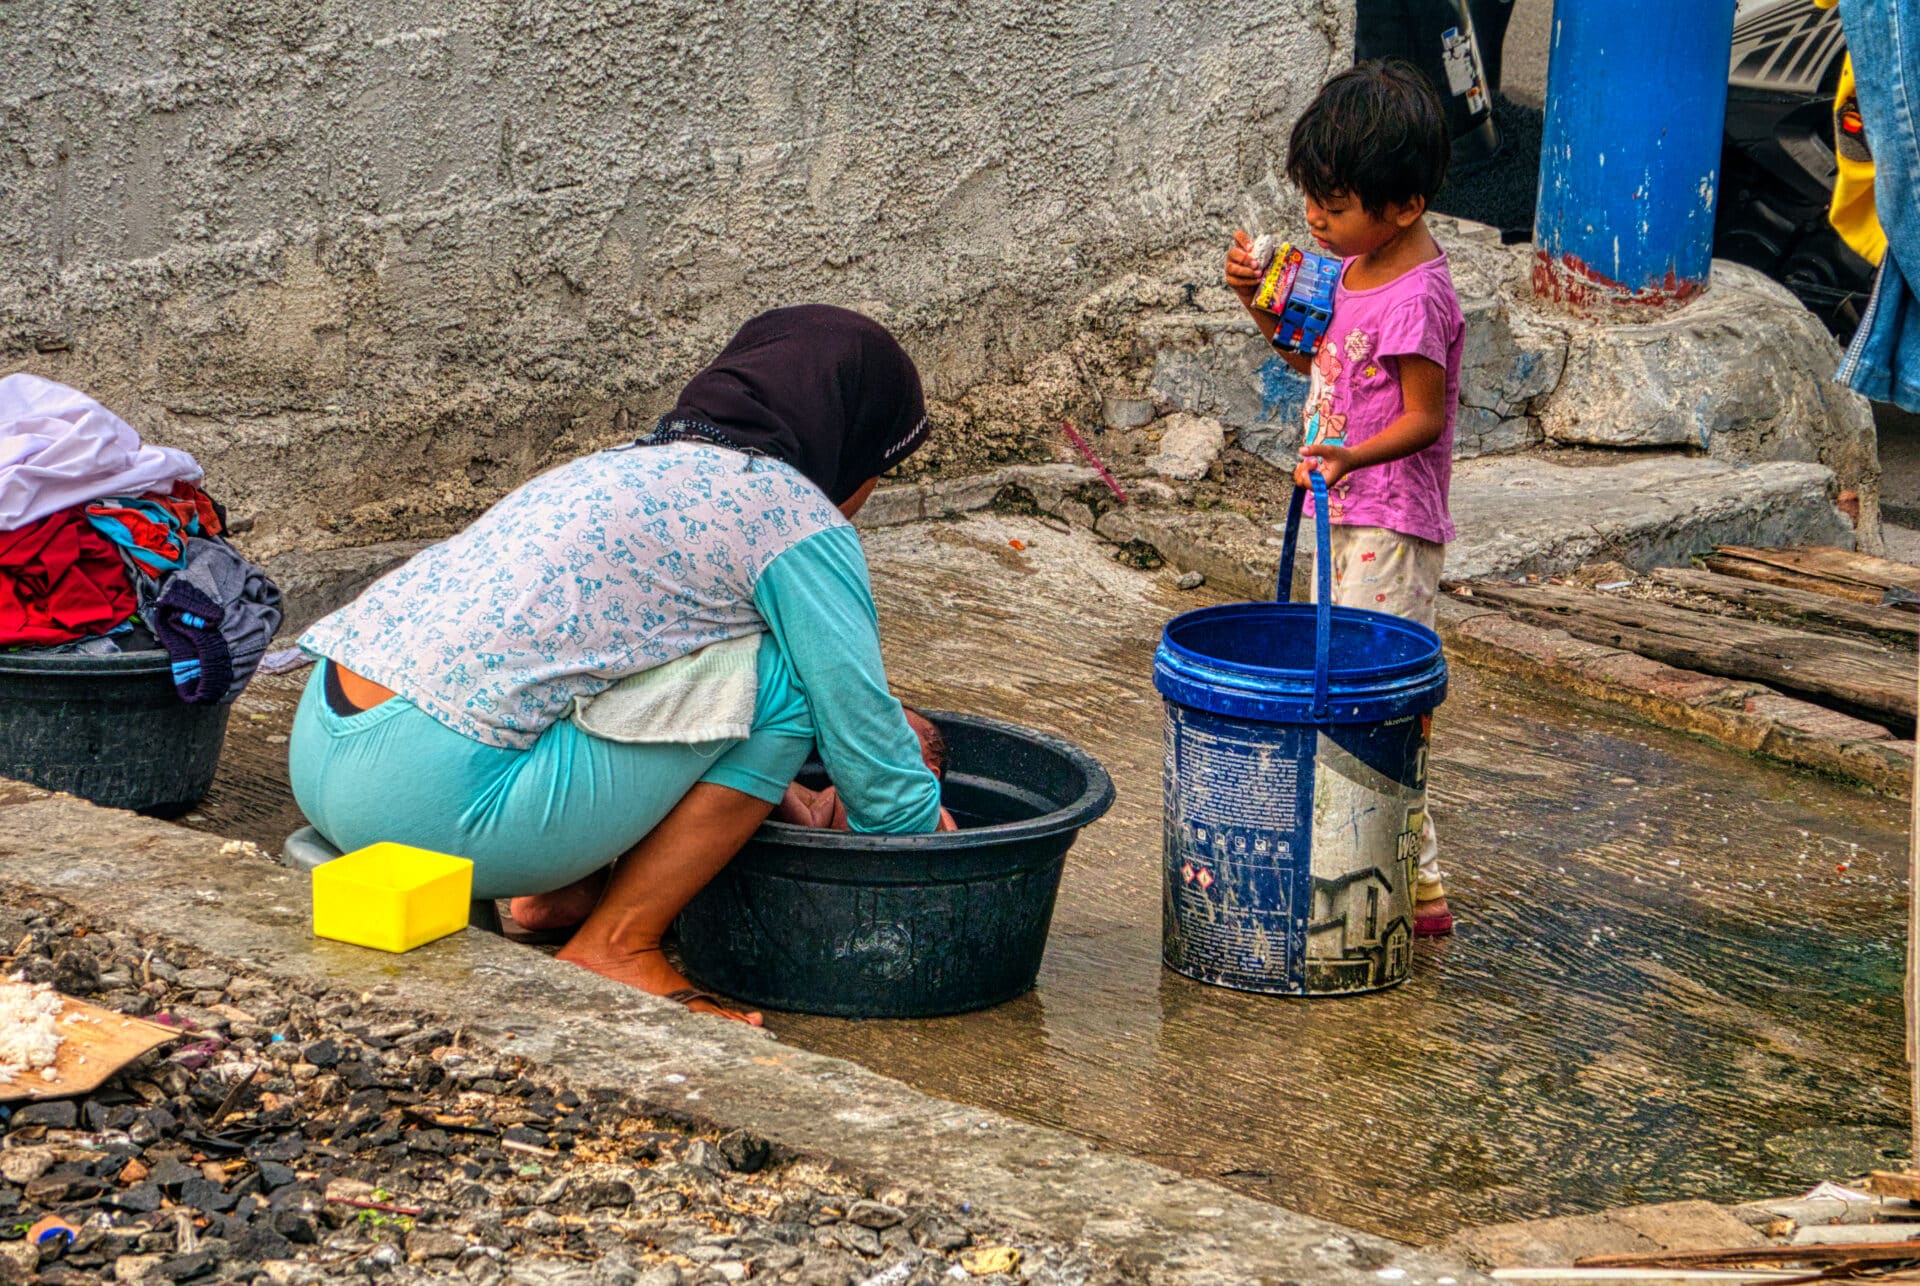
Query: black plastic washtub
point(107, 728)
point(905, 926)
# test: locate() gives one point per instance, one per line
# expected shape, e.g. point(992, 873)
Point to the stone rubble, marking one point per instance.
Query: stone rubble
point(1189, 444)
point(304, 1137)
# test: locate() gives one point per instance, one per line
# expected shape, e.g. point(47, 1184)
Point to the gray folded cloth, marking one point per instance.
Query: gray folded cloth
point(215, 616)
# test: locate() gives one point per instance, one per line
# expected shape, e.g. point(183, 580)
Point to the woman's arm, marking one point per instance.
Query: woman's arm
point(817, 601)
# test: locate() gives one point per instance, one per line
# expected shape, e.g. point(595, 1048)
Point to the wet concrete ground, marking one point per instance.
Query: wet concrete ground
point(1663, 986)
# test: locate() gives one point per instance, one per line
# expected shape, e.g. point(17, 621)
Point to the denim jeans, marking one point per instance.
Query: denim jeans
point(1883, 362)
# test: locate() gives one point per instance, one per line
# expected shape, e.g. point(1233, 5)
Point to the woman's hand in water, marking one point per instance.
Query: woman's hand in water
point(804, 807)
point(946, 822)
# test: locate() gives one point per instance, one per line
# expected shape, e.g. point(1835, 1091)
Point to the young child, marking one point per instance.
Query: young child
point(1368, 153)
point(822, 809)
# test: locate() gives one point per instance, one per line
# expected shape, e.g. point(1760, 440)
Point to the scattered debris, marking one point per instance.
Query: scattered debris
point(1126, 412)
point(987, 1260)
point(329, 1137)
point(29, 1035)
point(285, 659)
point(1138, 554)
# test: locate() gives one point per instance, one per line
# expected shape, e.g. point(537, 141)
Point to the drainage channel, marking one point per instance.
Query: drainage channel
point(1677, 974)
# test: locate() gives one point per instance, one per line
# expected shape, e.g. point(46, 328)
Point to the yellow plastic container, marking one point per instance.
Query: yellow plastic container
point(391, 896)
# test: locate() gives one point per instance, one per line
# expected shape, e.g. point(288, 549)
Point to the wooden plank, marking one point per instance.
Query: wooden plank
point(1895, 1183)
point(1881, 1252)
point(1847, 674)
point(1840, 565)
point(1821, 568)
point(98, 1043)
point(1911, 993)
point(1569, 1274)
point(1768, 574)
point(1781, 605)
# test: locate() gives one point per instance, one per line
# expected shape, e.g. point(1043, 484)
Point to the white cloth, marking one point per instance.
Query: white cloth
point(60, 448)
point(709, 695)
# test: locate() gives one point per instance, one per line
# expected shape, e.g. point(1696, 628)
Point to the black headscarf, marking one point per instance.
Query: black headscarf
point(825, 390)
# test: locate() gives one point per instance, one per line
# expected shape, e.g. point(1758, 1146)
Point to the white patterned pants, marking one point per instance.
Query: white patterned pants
point(1387, 571)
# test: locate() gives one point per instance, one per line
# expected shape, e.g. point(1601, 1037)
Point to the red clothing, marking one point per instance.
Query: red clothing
point(192, 506)
point(60, 580)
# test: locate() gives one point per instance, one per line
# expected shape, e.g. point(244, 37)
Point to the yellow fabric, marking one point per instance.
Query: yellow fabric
point(1852, 213)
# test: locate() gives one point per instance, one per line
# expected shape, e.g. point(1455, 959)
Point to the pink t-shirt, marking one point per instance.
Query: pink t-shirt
point(1356, 393)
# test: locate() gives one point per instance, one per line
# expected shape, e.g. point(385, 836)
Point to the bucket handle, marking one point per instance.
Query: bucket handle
point(1323, 573)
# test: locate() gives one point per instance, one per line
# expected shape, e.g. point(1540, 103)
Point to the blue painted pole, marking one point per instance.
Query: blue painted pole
point(1630, 156)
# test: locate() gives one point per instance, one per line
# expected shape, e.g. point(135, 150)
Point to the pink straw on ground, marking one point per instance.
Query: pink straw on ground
point(1092, 459)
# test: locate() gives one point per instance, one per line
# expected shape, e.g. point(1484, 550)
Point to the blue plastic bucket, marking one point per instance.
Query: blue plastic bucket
point(1295, 785)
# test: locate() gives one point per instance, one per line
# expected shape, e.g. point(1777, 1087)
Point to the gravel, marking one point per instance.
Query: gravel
point(296, 1137)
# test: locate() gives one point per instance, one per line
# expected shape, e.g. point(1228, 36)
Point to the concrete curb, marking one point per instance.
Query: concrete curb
point(1745, 716)
point(1151, 1224)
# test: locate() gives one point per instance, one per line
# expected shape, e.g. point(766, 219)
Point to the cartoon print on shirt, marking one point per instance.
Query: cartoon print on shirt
point(1327, 363)
point(1331, 425)
point(1323, 423)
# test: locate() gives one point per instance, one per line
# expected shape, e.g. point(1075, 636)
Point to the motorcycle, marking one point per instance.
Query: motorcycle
point(1777, 165)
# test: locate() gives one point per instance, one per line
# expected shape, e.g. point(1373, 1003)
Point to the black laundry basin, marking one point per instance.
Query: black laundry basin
point(905, 926)
point(107, 728)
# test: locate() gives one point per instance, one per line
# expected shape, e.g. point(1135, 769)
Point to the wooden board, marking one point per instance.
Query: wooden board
point(1821, 569)
point(1851, 675)
point(1895, 1183)
point(1884, 1252)
point(1781, 605)
point(97, 1045)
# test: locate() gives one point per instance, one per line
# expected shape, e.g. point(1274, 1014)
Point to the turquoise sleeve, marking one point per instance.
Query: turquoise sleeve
point(818, 602)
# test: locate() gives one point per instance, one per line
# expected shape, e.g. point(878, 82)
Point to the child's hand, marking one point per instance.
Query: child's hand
point(946, 822)
point(1329, 461)
point(1243, 276)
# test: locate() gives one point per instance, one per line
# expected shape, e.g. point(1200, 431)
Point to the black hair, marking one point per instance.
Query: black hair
point(1377, 132)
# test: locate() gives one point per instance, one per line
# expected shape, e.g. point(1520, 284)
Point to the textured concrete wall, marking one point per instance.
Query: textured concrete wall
point(374, 260)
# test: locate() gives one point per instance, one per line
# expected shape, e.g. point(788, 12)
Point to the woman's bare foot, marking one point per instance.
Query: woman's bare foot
point(648, 970)
point(564, 908)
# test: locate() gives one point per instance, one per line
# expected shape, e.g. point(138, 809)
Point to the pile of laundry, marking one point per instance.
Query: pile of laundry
point(108, 545)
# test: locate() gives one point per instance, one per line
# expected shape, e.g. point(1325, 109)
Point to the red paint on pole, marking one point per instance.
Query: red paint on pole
point(1578, 285)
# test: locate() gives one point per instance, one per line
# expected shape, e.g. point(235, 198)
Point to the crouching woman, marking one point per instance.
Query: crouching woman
point(450, 709)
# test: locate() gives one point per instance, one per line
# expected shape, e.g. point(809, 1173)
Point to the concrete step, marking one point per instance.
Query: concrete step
point(1551, 513)
point(1537, 511)
point(1534, 512)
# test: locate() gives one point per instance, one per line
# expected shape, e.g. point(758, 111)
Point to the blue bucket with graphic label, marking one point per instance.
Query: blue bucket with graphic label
point(1295, 786)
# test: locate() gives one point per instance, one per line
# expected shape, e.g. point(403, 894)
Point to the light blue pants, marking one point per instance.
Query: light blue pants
point(529, 820)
